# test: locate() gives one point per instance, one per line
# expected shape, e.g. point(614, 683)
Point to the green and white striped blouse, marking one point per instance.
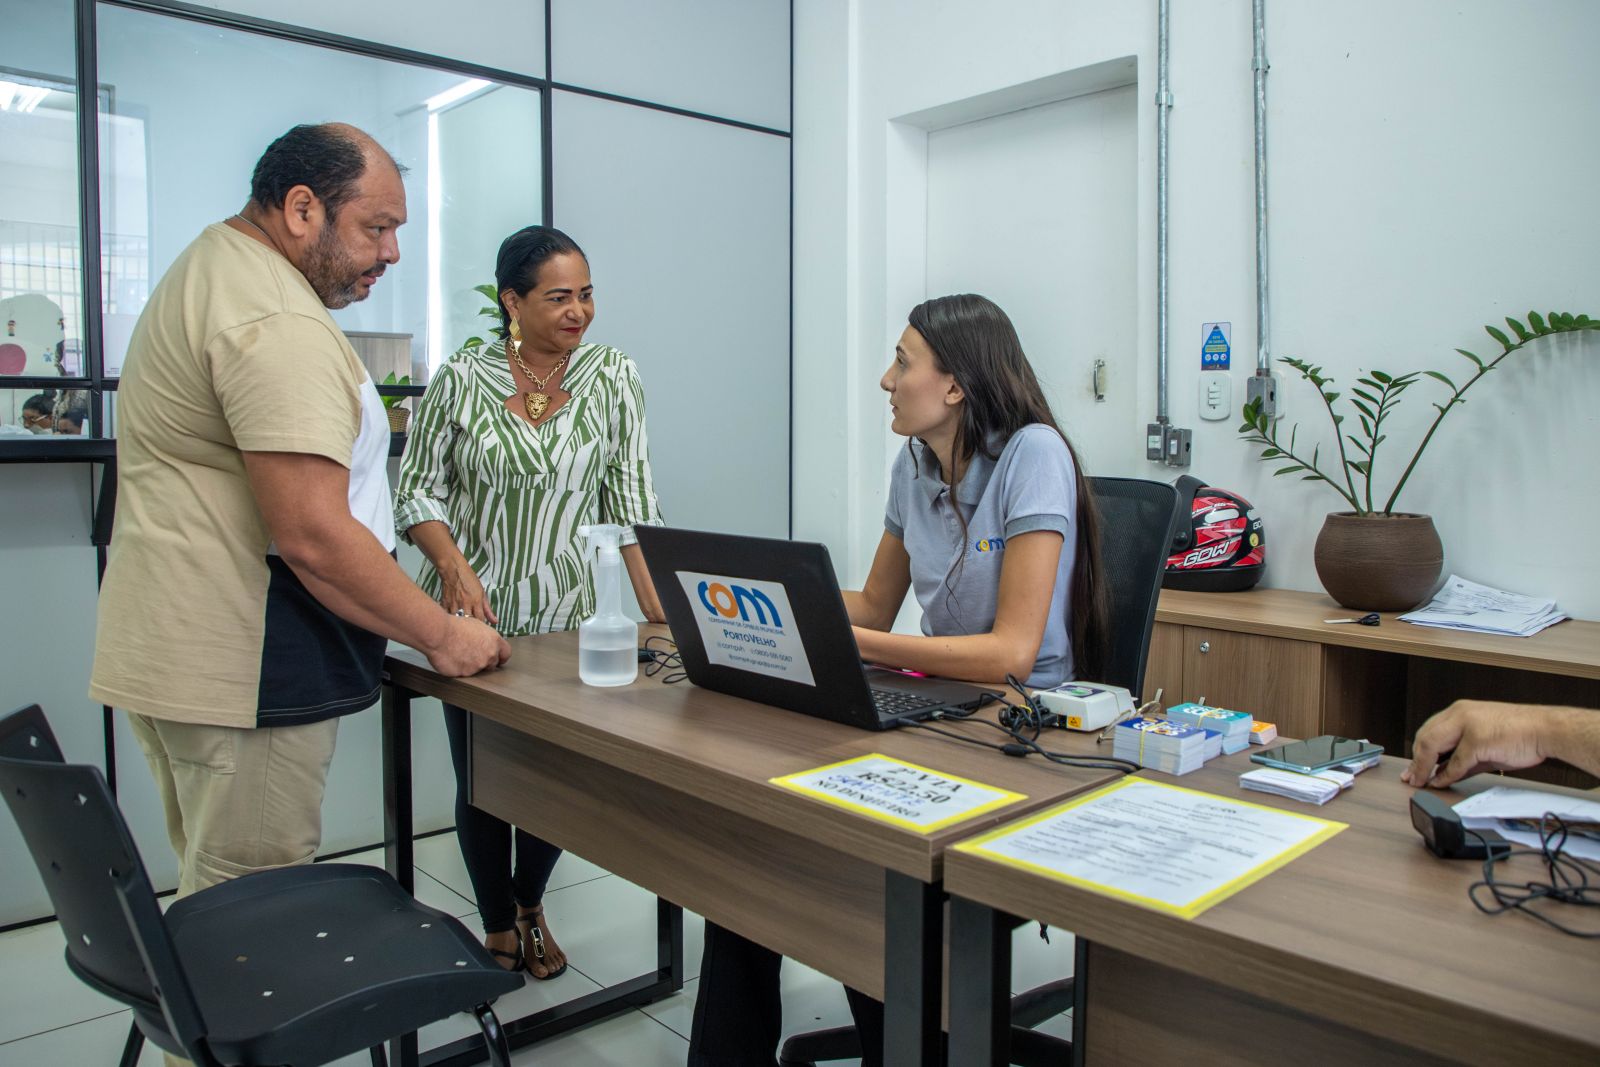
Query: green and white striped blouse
point(514, 494)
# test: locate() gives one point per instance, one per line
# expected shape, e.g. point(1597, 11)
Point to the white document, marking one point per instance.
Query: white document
point(895, 791)
point(1485, 810)
point(748, 625)
point(1464, 605)
point(1162, 846)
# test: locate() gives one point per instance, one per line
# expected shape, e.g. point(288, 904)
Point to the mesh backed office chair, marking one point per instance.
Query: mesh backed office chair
point(295, 966)
point(1137, 521)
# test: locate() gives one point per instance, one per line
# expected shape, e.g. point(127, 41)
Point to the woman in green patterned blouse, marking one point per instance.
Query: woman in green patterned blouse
point(517, 444)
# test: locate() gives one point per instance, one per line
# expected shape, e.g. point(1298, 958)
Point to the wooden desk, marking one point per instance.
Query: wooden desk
point(1268, 652)
point(1365, 950)
point(668, 787)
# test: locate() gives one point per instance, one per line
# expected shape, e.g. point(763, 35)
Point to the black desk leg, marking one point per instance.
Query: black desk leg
point(913, 937)
point(399, 857)
point(1080, 1000)
point(980, 988)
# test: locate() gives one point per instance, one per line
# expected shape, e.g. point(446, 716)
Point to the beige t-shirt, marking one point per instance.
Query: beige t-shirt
point(199, 620)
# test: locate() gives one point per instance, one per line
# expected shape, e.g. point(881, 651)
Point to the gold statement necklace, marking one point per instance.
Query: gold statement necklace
point(535, 403)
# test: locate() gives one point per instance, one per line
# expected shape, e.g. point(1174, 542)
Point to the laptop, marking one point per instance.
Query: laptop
point(763, 619)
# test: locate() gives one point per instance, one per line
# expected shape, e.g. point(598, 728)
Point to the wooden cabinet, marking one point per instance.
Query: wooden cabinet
point(1273, 678)
point(1269, 652)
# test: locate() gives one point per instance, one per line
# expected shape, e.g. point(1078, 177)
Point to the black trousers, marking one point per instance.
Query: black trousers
point(738, 1010)
point(488, 845)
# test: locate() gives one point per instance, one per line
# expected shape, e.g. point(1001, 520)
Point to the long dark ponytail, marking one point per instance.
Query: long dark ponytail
point(974, 341)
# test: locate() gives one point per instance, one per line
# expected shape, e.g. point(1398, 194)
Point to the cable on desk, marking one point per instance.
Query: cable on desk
point(1025, 746)
point(1568, 879)
point(664, 657)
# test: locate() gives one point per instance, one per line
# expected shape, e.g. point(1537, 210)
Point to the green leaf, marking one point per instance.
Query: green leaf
point(1287, 470)
point(390, 379)
point(1360, 466)
point(1313, 478)
point(1440, 377)
point(1380, 439)
point(488, 292)
point(1581, 320)
point(1472, 357)
point(1364, 395)
point(472, 342)
point(1270, 453)
point(1537, 323)
point(1366, 425)
point(1382, 378)
point(1357, 444)
point(1499, 335)
point(1330, 397)
point(1366, 413)
point(1520, 330)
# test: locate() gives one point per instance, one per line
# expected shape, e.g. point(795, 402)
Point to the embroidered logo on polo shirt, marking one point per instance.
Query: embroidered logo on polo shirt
point(989, 544)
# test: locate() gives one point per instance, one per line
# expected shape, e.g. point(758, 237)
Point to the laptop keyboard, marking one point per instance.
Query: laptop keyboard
point(892, 703)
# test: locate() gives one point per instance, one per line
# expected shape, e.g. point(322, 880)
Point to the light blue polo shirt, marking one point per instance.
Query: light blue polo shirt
point(956, 577)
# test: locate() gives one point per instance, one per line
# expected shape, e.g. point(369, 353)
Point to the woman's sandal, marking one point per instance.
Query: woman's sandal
point(520, 962)
point(533, 938)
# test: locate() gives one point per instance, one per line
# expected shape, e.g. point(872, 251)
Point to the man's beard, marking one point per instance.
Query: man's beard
point(333, 275)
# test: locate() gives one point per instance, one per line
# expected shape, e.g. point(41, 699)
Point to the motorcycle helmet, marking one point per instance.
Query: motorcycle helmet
point(1221, 548)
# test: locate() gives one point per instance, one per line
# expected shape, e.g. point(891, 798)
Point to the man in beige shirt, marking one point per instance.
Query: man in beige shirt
point(251, 589)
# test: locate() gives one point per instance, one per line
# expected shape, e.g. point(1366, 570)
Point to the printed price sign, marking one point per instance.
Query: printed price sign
point(898, 792)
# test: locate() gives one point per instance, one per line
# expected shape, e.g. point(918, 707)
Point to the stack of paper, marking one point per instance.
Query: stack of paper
point(1464, 605)
point(1213, 747)
point(1263, 733)
point(1234, 726)
point(1516, 814)
point(1161, 745)
point(1316, 788)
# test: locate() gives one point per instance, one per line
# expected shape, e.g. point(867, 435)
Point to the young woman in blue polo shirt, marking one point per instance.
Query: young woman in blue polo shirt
point(991, 525)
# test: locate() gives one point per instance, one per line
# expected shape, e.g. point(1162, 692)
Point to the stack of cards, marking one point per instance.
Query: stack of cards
point(1263, 733)
point(1161, 745)
point(1316, 788)
point(1234, 726)
point(1213, 747)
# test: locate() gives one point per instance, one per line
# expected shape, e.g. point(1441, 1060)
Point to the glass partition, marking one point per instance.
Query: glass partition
point(193, 106)
point(41, 288)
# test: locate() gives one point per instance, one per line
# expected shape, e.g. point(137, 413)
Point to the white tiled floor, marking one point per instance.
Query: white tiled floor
point(606, 926)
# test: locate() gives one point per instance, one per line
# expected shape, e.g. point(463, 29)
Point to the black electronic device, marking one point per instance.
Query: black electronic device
point(763, 619)
point(1447, 836)
point(1317, 754)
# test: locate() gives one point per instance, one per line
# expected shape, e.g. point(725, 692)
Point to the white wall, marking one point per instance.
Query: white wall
point(1427, 176)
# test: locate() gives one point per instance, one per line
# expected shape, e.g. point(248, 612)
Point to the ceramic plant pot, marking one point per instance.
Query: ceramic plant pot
point(1378, 562)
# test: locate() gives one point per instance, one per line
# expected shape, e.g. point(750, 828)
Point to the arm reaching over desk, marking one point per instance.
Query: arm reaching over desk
point(1486, 735)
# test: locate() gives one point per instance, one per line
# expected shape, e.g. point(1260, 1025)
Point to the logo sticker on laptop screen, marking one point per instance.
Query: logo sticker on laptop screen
point(748, 625)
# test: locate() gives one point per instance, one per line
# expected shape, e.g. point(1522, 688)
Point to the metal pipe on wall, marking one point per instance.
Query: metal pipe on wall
point(1163, 111)
point(1263, 306)
point(1164, 443)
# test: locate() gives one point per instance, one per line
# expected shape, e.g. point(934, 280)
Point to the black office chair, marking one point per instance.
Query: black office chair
point(1137, 521)
point(296, 966)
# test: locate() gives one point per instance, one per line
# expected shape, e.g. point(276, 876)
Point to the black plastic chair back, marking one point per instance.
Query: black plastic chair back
point(116, 940)
point(1136, 524)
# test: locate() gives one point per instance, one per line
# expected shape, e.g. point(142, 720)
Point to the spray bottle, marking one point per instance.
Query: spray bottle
point(608, 641)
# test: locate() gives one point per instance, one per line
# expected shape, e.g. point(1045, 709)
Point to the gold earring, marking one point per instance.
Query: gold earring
point(516, 331)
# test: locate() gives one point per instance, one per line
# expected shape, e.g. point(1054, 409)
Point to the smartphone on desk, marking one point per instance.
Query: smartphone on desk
point(1317, 754)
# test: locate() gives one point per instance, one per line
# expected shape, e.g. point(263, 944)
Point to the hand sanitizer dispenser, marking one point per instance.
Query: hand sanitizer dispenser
point(608, 641)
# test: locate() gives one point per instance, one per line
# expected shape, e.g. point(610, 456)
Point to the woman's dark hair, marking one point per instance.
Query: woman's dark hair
point(44, 403)
point(328, 159)
point(974, 341)
point(520, 259)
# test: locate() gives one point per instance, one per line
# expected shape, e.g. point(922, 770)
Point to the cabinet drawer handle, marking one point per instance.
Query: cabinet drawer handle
point(1205, 646)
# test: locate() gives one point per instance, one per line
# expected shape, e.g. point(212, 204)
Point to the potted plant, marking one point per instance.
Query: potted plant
point(492, 311)
point(1373, 557)
point(399, 416)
